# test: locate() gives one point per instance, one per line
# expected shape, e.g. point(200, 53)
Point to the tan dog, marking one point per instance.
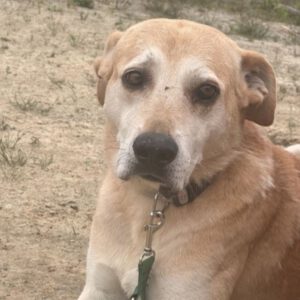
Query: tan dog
point(181, 101)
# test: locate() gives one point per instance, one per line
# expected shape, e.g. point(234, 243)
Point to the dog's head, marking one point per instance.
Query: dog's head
point(177, 94)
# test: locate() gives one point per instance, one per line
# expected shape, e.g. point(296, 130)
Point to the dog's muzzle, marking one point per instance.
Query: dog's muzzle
point(154, 152)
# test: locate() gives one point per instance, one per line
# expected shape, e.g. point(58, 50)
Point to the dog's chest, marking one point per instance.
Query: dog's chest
point(171, 271)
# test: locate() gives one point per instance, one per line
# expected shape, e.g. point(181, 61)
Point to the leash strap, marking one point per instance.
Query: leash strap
point(144, 267)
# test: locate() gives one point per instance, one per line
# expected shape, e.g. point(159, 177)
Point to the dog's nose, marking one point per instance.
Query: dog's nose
point(155, 148)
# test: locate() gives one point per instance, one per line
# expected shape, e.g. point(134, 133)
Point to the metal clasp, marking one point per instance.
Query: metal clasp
point(156, 221)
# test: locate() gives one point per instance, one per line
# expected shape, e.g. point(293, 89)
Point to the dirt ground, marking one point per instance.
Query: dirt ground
point(51, 132)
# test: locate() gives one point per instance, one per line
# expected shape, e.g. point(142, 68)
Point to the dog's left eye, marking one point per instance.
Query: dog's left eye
point(205, 94)
point(133, 79)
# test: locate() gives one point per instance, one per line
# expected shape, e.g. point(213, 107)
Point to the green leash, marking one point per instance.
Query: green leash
point(148, 257)
point(144, 268)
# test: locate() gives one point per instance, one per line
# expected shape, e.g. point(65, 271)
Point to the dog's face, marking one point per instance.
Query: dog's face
point(177, 93)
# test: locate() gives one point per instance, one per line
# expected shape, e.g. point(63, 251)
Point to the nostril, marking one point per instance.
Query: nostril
point(155, 148)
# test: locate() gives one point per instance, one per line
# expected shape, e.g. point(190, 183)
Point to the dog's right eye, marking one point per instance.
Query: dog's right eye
point(133, 79)
point(205, 94)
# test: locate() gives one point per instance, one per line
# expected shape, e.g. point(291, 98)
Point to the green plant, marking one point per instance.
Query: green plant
point(91, 79)
point(167, 8)
point(83, 16)
point(3, 124)
point(53, 27)
point(121, 3)
point(45, 161)
point(40, 3)
point(269, 4)
point(10, 152)
point(294, 37)
point(74, 96)
point(26, 18)
point(55, 8)
point(24, 104)
point(7, 70)
point(210, 20)
point(282, 93)
point(250, 28)
point(84, 3)
point(120, 25)
point(292, 124)
point(35, 141)
point(56, 81)
point(272, 10)
point(30, 105)
point(75, 40)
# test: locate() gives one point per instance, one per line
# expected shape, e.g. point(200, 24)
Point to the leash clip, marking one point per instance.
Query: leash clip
point(156, 221)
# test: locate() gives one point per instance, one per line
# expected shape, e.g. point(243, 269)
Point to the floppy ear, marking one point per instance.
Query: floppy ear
point(103, 65)
point(259, 99)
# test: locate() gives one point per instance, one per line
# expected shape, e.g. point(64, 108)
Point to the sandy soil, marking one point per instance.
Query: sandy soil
point(50, 181)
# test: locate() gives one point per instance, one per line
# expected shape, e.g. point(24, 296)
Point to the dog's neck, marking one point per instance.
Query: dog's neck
point(200, 180)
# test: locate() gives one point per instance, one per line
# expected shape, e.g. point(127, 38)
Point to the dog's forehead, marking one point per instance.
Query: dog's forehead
point(177, 40)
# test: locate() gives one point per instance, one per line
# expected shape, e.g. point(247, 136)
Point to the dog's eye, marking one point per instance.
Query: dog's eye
point(205, 94)
point(133, 79)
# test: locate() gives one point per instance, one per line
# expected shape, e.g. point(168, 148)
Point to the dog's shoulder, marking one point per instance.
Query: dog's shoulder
point(287, 167)
point(274, 261)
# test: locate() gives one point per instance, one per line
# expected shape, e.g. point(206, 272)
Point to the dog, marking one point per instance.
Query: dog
point(184, 109)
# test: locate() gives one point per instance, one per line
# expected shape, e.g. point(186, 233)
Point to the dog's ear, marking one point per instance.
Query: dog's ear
point(259, 99)
point(103, 65)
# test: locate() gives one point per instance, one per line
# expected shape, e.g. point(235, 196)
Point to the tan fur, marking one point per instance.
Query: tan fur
point(240, 239)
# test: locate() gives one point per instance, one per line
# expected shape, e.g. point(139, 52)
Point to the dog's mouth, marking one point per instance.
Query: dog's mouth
point(152, 177)
point(165, 188)
point(161, 176)
point(161, 179)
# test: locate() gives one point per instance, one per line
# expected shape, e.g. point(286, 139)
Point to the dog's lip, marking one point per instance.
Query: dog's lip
point(150, 173)
point(145, 175)
point(167, 189)
point(151, 177)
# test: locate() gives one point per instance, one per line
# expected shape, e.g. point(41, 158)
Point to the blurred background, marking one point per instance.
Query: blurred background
point(51, 124)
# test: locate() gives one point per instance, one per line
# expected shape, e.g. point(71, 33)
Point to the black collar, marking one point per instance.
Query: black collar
point(187, 195)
